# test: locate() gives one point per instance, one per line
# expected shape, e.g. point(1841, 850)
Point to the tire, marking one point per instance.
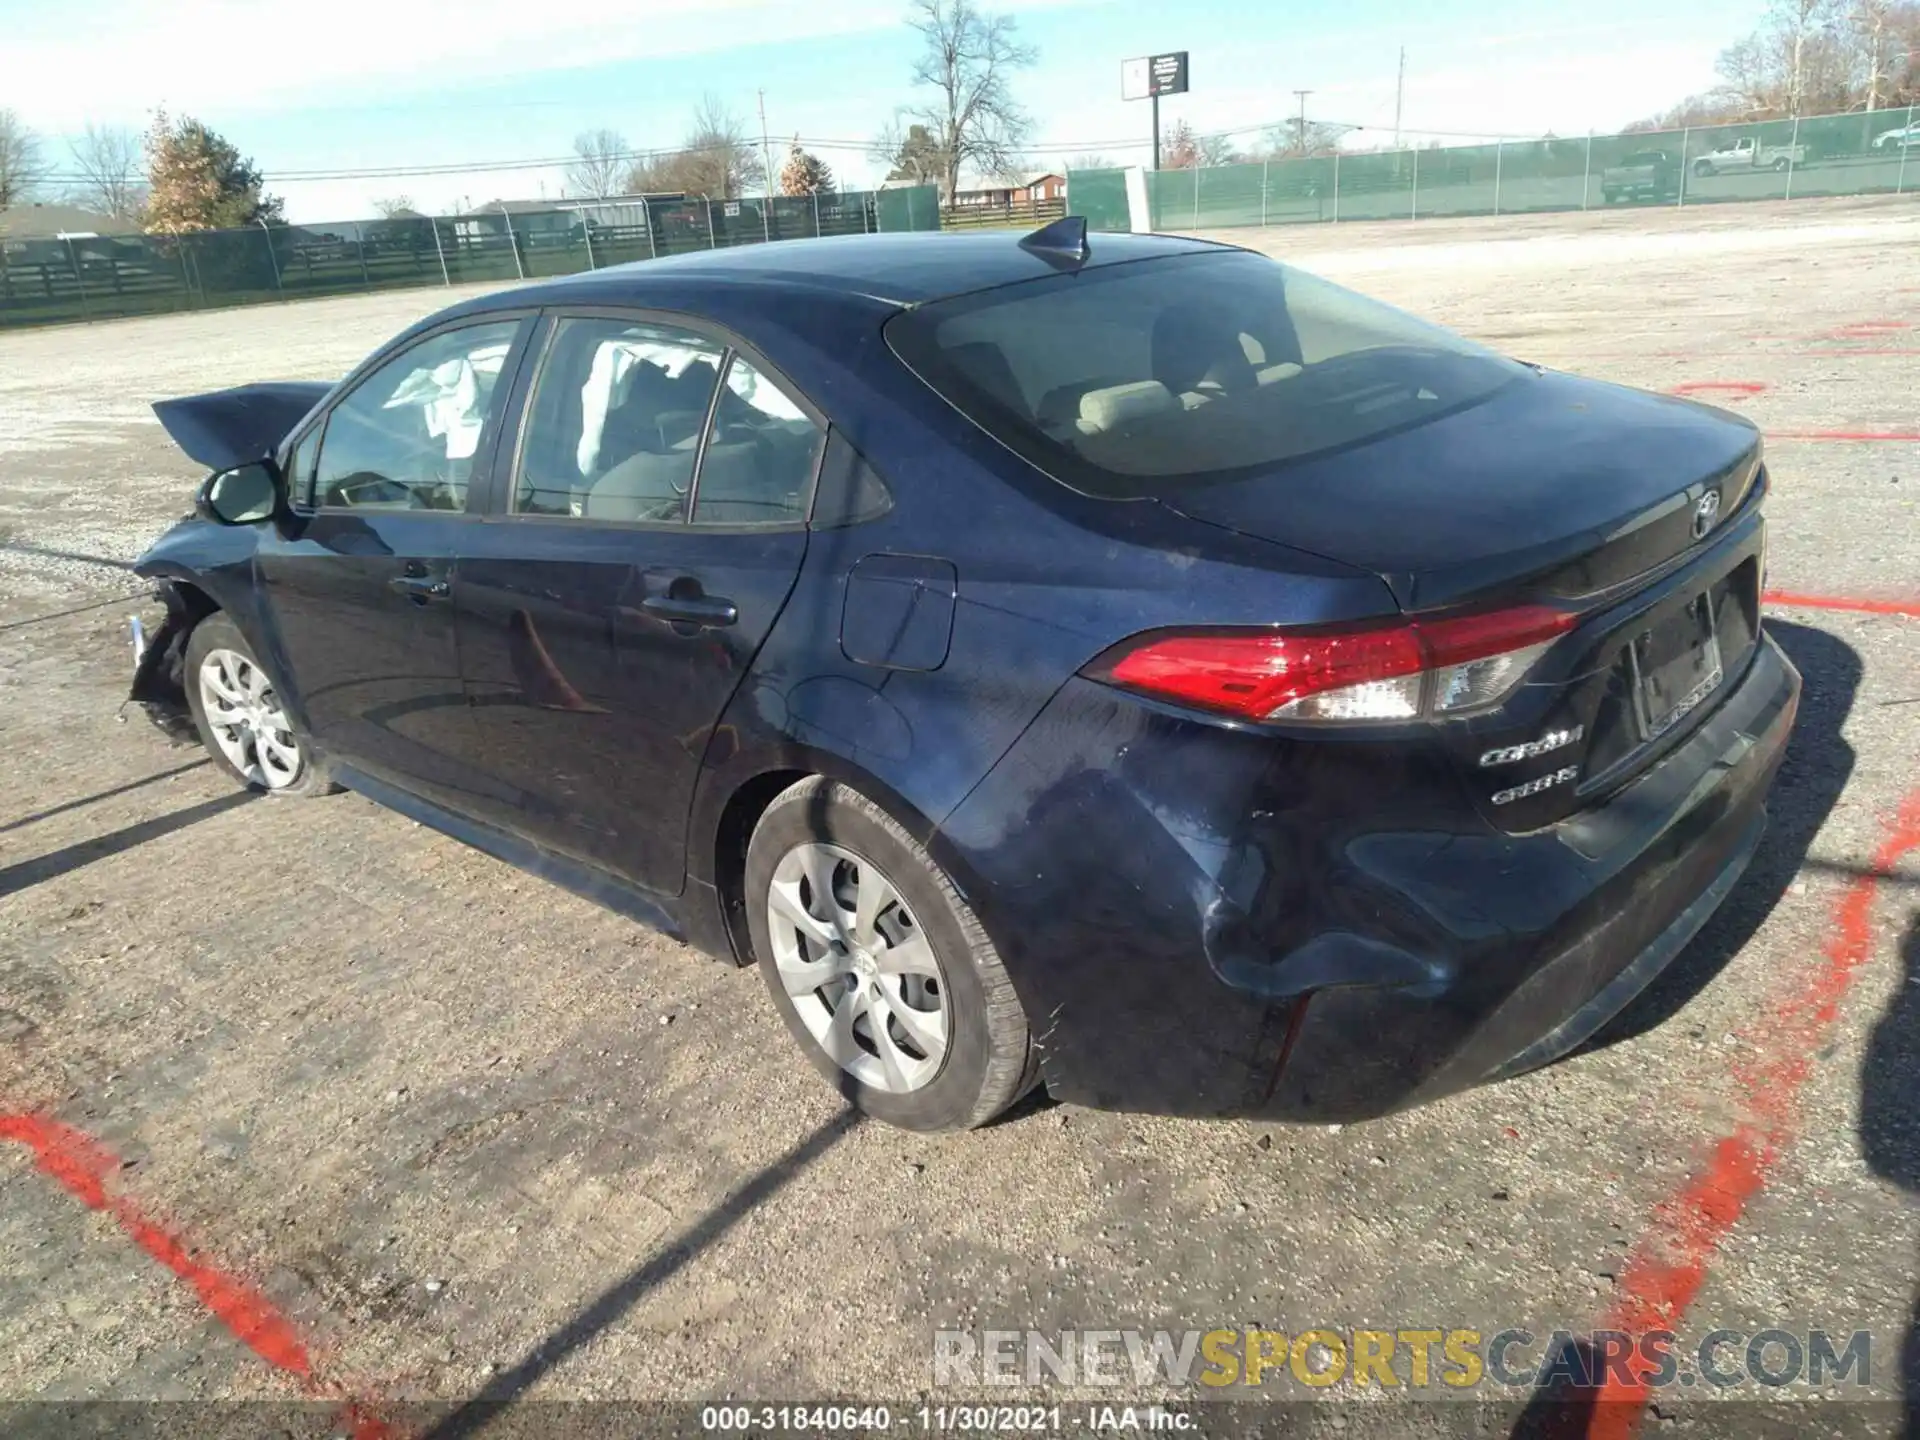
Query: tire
point(1780, 163)
point(218, 656)
point(1609, 196)
point(1702, 169)
point(924, 955)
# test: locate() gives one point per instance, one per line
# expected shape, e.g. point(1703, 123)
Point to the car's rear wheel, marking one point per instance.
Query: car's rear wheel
point(1780, 162)
point(880, 969)
point(240, 716)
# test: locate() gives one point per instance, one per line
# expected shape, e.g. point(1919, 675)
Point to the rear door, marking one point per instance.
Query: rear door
point(642, 541)
point(359, 586)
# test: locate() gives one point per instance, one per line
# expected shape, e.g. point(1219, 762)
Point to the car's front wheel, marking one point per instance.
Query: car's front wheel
point(879, 967)
point(240, 716)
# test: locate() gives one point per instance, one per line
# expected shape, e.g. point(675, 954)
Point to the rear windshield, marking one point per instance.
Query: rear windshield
point(1136, 379)
point(1646, 157)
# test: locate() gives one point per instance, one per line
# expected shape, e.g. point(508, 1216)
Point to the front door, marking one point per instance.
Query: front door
point(359, 587)
point(648, 538)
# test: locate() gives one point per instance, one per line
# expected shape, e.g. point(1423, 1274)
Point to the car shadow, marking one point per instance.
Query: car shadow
point(1818, 764)
point(68, 858)
point(1565, 1402)
point(613, 1303)
point(69, 805)
point(1890, 1124)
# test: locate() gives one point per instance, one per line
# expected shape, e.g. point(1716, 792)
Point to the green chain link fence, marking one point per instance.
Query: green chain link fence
point(97, 277)
point(1865, 153)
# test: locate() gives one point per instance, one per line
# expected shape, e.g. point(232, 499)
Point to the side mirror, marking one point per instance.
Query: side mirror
point(245, 495)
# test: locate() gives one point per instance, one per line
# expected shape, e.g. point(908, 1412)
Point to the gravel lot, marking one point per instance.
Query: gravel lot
point(467, 1135)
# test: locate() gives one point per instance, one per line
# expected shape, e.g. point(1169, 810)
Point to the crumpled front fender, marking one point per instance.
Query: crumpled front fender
point(159, 678)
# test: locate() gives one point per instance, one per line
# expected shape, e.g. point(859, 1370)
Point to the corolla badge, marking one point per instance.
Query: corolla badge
point(1705, 513)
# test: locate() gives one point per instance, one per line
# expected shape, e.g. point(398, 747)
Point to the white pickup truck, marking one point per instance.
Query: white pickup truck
point(1748, 153)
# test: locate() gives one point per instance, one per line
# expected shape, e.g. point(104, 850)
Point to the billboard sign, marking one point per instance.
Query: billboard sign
point(1152, 76)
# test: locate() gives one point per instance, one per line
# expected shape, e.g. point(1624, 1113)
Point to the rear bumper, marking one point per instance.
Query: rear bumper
point(1356, 940)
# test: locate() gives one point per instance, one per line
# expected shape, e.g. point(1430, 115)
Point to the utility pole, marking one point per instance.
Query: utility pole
point(1301, 138)
point(1399, 95)
point(766, 149)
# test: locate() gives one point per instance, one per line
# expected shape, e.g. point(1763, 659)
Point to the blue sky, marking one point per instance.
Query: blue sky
point(358, 84)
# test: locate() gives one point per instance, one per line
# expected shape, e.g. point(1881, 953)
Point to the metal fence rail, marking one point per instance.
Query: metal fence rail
point(1864, 153)
point(96, 277)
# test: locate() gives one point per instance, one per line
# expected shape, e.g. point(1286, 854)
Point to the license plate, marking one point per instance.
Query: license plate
point(1676, 667)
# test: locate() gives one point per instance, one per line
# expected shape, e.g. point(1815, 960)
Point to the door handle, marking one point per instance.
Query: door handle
point(704, 611)
point(421, 589)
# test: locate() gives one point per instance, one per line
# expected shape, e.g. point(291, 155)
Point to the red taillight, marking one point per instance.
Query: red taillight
point(1398, 670)
point(1254, 675)
point(1457, 639)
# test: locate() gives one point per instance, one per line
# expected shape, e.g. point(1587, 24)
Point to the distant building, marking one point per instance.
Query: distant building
point(1034, 189)
point(59, 222)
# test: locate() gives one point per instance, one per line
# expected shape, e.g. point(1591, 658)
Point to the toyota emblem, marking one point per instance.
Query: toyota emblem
point(1705, 513)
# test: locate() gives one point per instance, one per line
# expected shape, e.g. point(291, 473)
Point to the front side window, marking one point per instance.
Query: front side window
point(616, 421)
point(1138, 379)
point(405, 438)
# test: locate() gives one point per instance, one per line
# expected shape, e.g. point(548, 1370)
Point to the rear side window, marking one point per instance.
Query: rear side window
point(1140, 378)
point(761, 454)
point(616, 421)
point(625, 410)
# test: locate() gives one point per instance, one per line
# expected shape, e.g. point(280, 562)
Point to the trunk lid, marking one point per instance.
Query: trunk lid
point(1557, 490)
point(226, 428)
point(1555, 486)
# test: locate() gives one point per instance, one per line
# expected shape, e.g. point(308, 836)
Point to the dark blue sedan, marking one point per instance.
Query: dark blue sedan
point(1136, 666)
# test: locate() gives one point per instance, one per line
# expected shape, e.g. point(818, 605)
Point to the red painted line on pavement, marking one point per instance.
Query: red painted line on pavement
point(82, 1166)
point(1843, 434)
point(1870, 329)
point(1863, 606)
point(1666, 1269)
point(1860, 350)
point(1739, 388)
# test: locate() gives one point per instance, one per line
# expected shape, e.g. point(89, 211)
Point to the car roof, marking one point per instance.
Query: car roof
point(900, 269)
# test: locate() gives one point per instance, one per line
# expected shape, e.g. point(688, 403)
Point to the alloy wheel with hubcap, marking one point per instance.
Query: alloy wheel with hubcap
point(246, 719)
point(861, 975)
point(877, 965)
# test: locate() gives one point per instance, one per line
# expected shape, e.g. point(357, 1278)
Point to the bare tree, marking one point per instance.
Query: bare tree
point(716, 160)
point(1285, 142)
point(1874, 27)
point(112, 172)
point(1811, 57)
point(1181, 149)
point(968, 60)
point(726, 163)
point(1092, 161)
point(21, 166)
point(1215, 149)
point(396, 207)
point(602, 160)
